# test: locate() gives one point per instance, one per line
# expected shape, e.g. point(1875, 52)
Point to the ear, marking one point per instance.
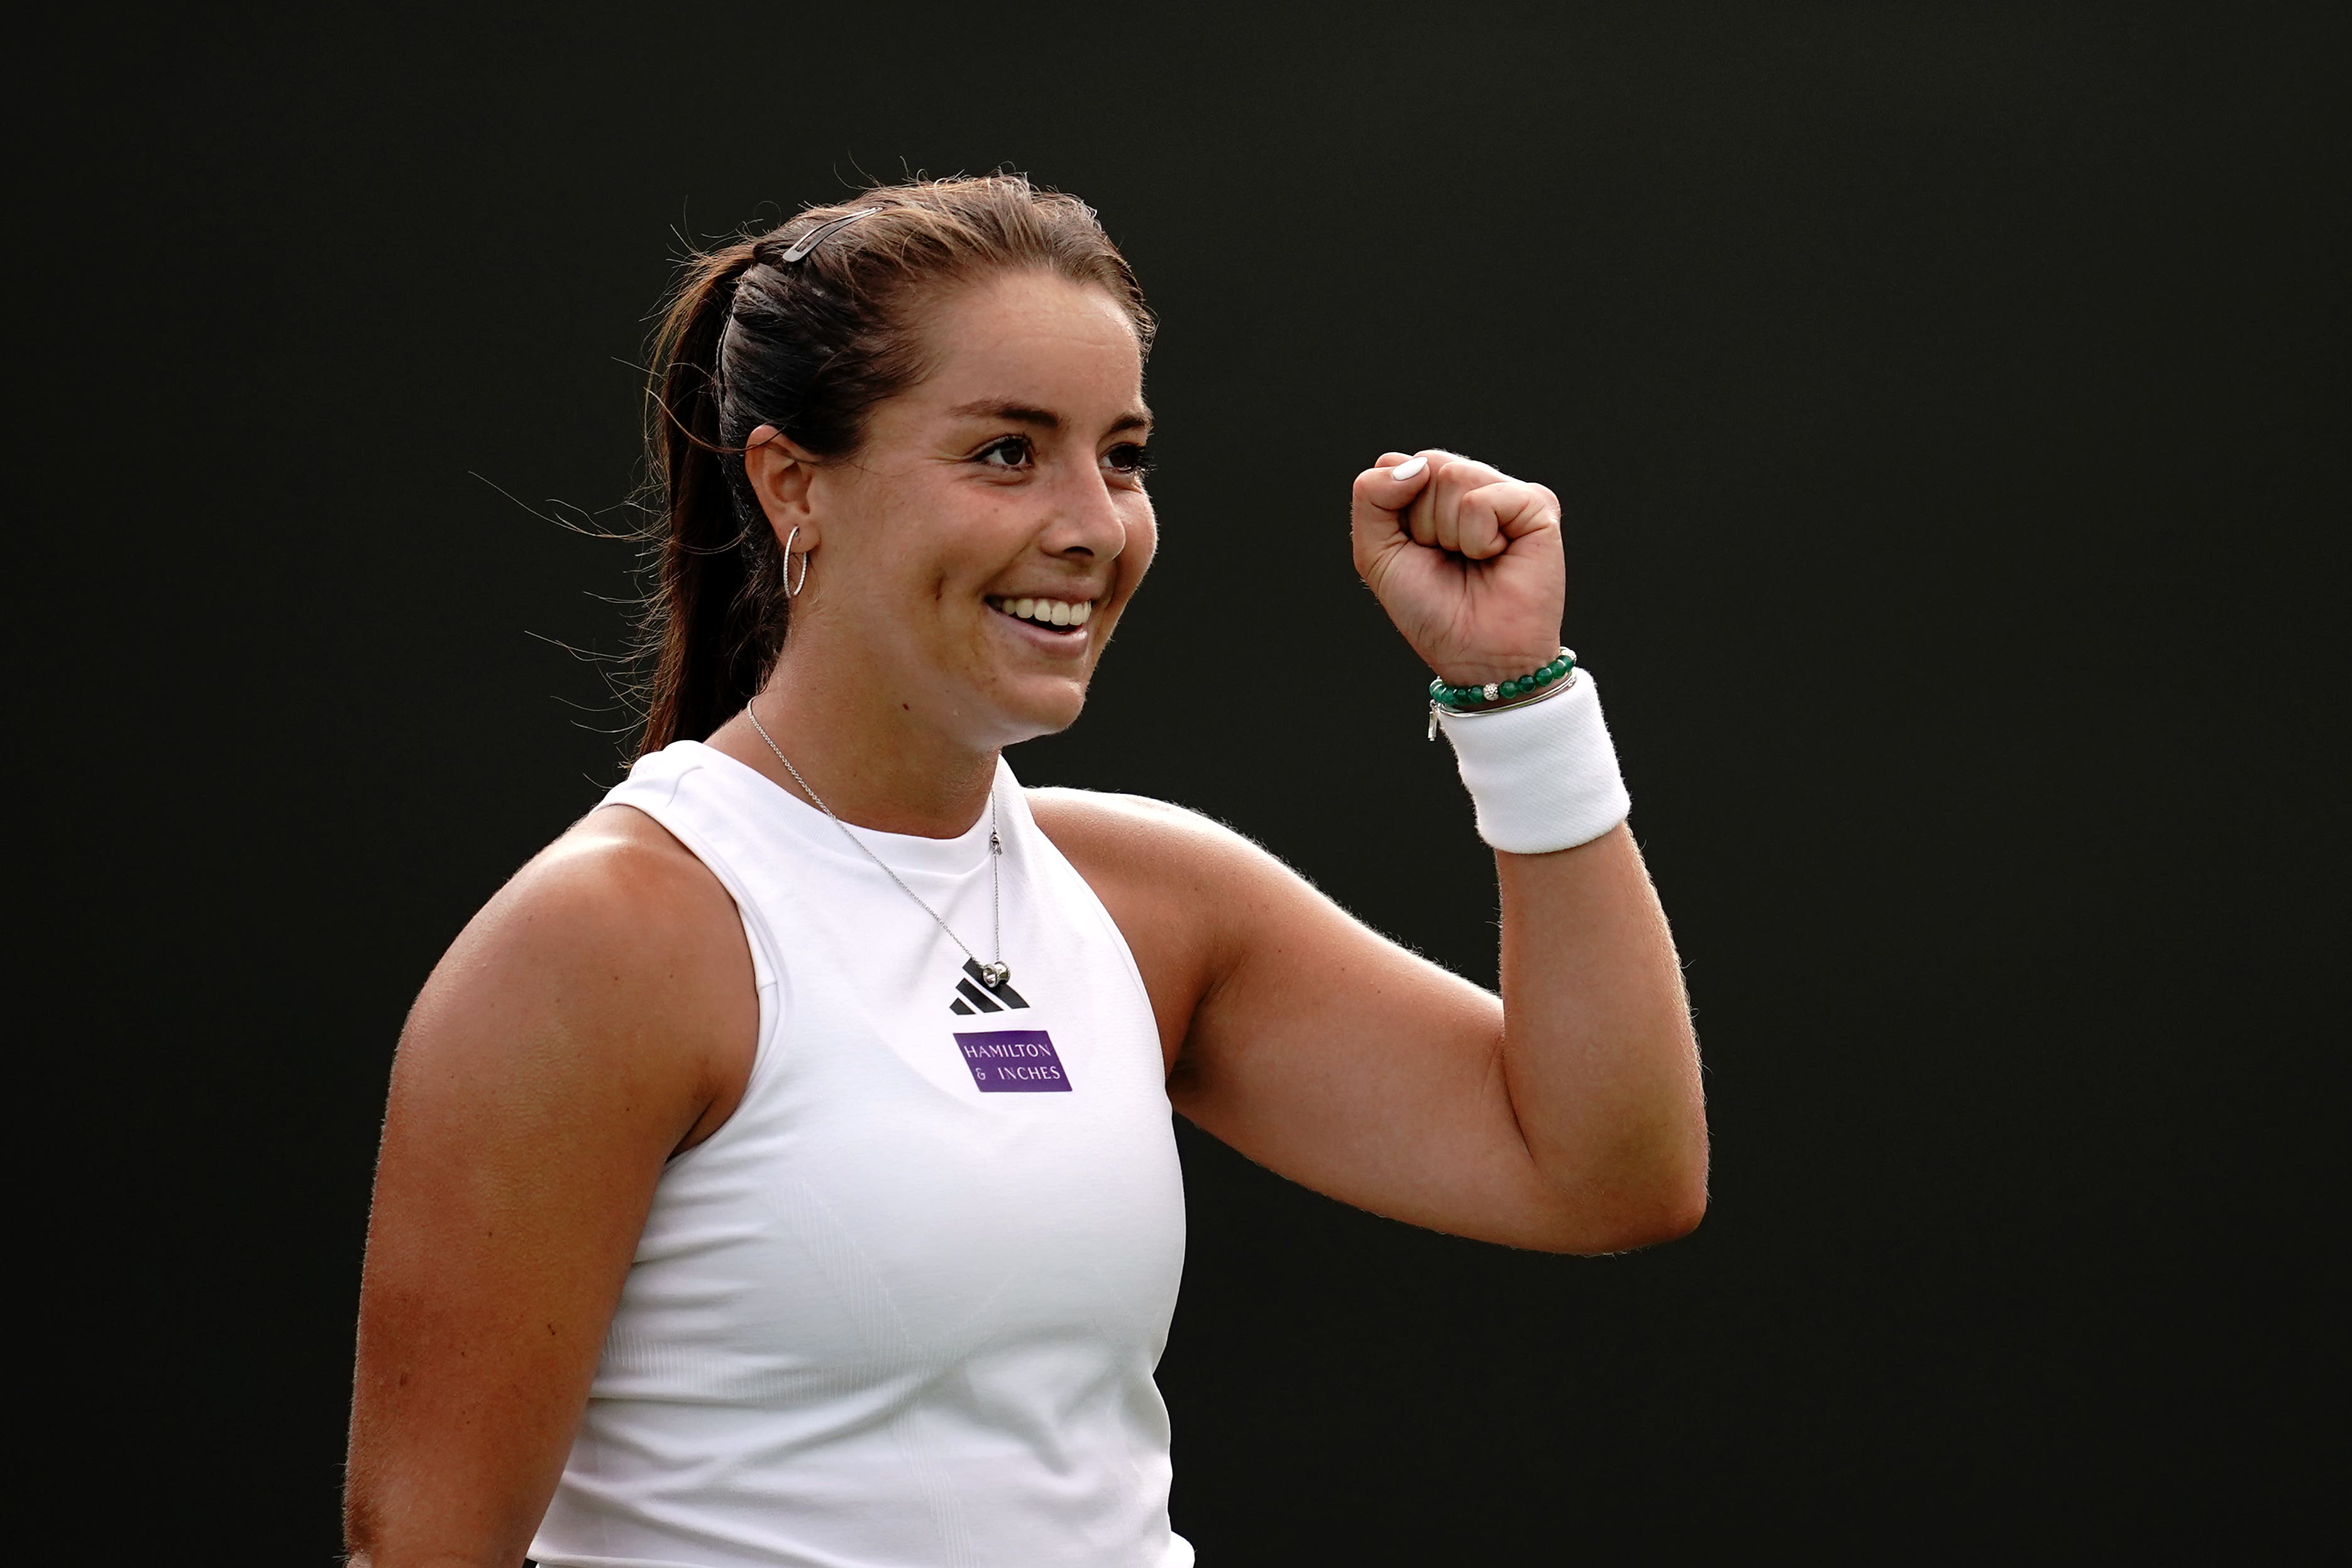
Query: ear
point(779, 471)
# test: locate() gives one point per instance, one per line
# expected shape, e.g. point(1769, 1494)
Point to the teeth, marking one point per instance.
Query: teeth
point(1048, 612)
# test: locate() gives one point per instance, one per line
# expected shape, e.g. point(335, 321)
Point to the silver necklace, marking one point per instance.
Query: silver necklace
point(992, 976)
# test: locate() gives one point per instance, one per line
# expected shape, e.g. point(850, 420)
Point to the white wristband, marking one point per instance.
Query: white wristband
point(1544, 776)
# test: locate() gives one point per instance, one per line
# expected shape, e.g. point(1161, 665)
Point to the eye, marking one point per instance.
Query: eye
point(1130, 458)
point(1007, 452)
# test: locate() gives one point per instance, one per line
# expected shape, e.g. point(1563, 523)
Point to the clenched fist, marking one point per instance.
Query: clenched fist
point(1466, 561)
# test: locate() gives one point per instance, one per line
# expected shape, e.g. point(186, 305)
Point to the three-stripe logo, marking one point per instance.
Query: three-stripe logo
point(972, 995)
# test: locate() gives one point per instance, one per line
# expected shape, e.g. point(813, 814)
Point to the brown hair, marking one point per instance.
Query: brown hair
point(809, 346)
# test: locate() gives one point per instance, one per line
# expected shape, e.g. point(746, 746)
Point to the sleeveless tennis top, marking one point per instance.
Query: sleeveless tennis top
point(903, 1308)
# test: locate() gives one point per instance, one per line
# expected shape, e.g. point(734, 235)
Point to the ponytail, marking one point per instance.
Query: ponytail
point(705, 619)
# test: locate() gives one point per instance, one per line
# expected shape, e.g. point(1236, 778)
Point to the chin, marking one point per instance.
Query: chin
point(1033, 714)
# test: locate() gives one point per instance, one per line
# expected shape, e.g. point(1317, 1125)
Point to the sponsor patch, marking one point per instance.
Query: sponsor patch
point(1013, 1061)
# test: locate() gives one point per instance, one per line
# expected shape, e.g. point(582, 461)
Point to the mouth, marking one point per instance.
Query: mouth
point(1067, 617)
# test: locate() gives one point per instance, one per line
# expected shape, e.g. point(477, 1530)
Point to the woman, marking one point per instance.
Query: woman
point(778, 1169)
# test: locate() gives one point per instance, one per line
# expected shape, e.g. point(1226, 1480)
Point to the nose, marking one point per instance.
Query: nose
point(1087, 524)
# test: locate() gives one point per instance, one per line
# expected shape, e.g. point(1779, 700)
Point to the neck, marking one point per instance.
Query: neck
point(886, 764)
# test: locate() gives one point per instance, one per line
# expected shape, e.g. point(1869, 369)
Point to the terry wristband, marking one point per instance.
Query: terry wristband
point(1543, 776)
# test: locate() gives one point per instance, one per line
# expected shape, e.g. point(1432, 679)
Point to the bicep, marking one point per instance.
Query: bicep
point(539, 1087)
point(1339, 1059)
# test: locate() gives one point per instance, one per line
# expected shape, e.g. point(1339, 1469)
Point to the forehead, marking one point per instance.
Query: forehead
point(1033, 338)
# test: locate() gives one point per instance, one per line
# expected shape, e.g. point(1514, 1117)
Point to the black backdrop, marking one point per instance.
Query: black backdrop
point(1945, 403)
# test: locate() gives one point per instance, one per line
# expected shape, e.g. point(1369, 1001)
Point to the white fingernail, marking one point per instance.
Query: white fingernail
point(1409, 469)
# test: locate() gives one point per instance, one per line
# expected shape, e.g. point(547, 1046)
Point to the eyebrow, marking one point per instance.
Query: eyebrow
point(1044, 418)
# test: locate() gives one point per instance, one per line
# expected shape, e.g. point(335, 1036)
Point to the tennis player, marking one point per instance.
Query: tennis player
point(779, 1171)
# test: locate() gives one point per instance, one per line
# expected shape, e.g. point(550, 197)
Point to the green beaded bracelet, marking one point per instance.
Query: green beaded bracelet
point(1473, 699)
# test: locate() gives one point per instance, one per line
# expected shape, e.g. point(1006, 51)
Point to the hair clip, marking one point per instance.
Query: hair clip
point(816, 236)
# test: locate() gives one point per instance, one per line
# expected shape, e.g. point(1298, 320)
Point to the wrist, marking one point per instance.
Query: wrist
point(1542, 772)
point(1499, 668)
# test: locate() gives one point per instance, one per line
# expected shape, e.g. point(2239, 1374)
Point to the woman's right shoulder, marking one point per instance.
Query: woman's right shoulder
point(616, 888)
point(614, 950)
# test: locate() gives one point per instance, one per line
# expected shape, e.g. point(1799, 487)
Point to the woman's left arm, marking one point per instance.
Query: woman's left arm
point(1566, 1114)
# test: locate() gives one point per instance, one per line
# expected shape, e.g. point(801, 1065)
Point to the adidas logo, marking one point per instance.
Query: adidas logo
point(974, 996)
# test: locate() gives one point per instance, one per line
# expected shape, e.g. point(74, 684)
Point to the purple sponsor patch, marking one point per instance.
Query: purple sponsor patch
point(1013, 1061)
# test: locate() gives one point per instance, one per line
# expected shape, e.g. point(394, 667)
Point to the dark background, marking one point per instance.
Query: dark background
point(1947, 400)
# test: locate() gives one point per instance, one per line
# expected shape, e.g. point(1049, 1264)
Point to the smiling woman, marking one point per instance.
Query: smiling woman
point(779, 1169)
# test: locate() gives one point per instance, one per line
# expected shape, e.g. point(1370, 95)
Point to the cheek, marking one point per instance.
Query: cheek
point(1142, 545)
point(936, 540)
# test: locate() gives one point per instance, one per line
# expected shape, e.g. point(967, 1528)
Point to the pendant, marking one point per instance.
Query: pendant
point(995, 975)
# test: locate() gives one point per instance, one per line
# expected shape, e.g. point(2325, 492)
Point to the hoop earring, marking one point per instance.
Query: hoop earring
point(792, 589)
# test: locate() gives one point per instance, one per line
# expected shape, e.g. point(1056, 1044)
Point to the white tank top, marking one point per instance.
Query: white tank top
point(904, 1306)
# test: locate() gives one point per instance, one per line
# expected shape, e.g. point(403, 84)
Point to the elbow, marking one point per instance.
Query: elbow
point(1680, 1205)
point(1599, 1236)
point(1630, 1216)
point(1646, 1191)
point(1673, 1216)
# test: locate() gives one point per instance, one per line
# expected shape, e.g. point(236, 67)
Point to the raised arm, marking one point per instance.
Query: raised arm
point(595, 1019)
point(1564, 1115)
